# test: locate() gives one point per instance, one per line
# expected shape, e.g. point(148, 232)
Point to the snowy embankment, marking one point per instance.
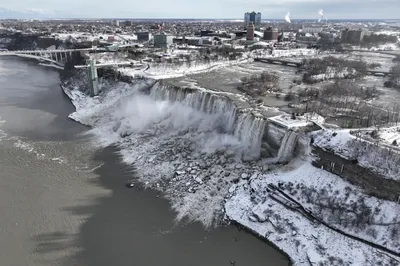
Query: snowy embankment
point(377, 158)
point(390, 135)
point(191, 147)
point(173, 70)
point(308, 242)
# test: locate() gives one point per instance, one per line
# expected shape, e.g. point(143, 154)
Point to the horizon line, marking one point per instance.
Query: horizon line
point(177, 18)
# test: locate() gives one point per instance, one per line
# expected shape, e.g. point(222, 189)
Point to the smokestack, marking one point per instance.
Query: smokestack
point(287, 17)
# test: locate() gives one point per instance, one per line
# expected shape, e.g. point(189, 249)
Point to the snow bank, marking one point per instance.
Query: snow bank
point(390, 135)
point(294, 52)
point(251, 205)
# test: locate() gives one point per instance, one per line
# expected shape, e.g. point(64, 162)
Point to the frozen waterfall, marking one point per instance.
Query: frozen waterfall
point(246, 127)
point(249, 130)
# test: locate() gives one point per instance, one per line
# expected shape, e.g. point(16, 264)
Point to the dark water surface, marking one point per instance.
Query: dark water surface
point(64, 203)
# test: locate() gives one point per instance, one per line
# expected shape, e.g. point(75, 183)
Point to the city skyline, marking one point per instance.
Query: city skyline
point(215, 9)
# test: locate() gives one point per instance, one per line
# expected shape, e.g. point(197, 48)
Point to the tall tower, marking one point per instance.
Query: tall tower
point(252, 17)
point(250, 32)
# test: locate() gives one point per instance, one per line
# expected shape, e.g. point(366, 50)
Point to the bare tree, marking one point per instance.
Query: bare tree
point(257, 85)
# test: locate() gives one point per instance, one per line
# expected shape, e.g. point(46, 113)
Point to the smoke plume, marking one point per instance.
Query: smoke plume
point(321, 15)
point(287, 17)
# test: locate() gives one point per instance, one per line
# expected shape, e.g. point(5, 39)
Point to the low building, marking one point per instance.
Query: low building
point(307, 39)
point(271, 34)
point(204, 33)
point(353, 36)
point(111, 38)
point(143, 36)
point(128, 23)
point(193, 41)
point(163, 40)
point(326, 38)
point(311, 30)
point(240, 34)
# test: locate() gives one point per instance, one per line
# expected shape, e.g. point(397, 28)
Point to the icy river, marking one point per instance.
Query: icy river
point(64, 202)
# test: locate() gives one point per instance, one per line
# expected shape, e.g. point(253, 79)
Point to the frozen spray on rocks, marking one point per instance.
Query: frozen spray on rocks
point(191, 144)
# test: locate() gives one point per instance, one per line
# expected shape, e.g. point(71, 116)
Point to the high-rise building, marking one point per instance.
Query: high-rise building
point(252, 17)
point(250, 32)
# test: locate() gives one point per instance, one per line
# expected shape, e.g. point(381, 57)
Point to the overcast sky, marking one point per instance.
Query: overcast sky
point(334, 9)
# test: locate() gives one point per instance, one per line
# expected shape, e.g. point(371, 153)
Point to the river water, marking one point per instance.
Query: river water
point(64, 203)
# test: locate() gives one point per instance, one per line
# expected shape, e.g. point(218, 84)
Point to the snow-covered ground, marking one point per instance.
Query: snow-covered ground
point(167, 70)
point(390, 135)
point(173, 70)
point(307, 242)
point(294, 53)
point(84, 36)
point(378, 158)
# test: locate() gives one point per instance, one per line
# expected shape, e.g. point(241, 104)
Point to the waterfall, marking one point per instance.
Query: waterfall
point(286, 149)
point(200, 100)
point(246, 127)
point(250, 129)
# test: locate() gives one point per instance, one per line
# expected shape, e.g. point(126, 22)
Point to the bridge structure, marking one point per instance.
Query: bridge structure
point(279, 62)
point(92, 67)
point(57, 57)
point(384, 52)
point(379, 73)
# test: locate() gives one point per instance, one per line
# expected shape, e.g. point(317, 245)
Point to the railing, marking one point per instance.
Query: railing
point(43, 51)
